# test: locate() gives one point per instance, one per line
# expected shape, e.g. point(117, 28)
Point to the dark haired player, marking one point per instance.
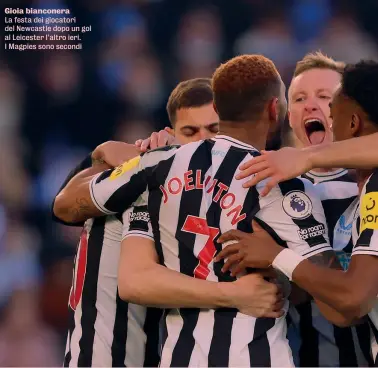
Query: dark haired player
point(103, 329)
point(353, 293)
point(197, 183)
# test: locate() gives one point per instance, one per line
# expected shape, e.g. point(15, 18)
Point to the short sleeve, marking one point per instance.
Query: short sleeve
point(293, 212)
point(367, 242)
point(113, 191)
point(136, 222)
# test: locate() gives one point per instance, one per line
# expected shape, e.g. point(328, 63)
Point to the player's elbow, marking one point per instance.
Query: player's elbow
point(130, 286)
point(61, 208)
point(356, 305)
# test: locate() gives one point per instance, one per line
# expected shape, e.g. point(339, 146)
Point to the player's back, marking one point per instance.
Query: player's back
point(193, 198)
point(103, 329)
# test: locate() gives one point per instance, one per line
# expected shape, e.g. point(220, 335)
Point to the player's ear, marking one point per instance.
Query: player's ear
point(170, 131)
point(288, 118)
point(273, 109)
point(215, 108)
point(356, 125)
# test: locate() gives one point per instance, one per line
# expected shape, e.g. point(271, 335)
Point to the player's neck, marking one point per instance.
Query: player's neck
point(362, 176)
point(252, 133)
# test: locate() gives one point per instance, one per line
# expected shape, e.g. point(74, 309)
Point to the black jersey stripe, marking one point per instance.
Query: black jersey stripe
point(89, 296)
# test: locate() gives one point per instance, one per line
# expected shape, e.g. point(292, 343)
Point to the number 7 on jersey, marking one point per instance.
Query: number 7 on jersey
point(198, 225)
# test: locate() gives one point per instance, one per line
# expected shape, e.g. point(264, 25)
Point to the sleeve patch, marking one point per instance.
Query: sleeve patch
point(126, 166)
point(369, 212)
point(297, 205)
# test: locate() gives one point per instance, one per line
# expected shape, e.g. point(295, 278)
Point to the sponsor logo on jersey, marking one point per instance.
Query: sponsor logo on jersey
point(126, 166)
point(312, 232)
point(139, 216)
point(369, 212)
point(218, 153)
point(342, 233)
point(297, 204)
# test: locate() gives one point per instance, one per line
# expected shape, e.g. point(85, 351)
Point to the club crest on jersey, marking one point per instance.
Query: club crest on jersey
point(369, 212)
point(126, 166)
point(297, 204)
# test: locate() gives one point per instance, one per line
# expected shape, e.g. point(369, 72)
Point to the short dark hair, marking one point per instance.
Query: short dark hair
point(190, 93)
point(243, 85)
point(318, 60)
point(359, 82)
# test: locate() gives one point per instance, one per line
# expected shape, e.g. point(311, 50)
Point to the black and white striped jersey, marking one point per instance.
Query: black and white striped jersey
point(365, 238)
point(314, 340)
point(192, 198)
point(337, 190)
point(105, 331)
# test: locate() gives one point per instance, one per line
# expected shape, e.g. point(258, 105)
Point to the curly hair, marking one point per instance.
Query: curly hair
point(360, 83)
point(243, 86)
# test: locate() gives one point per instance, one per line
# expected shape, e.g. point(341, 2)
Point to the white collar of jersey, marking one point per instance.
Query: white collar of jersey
point(334, 174)
point(234, 142)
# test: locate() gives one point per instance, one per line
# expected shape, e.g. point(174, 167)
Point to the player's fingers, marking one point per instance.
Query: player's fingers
point(232, 259)
point(154, 140)
point(138, 143)
point(252, 170)
point(252, 162)
point(256, 178)
point(145, 144)
point(269, 185)
point(278, 305)
point(162, 138)
point(227, 251)
point(169, 131)
point(239, 268)
point(231, 235)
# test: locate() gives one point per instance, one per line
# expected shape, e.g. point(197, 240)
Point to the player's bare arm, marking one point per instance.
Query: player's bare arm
point(142, 280)
point(286, 163)
point(74, 202)
point(349, 294)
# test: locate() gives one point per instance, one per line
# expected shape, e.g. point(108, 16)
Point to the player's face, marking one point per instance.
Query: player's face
point(341, 112)
point(309, 97)
point(196, 123)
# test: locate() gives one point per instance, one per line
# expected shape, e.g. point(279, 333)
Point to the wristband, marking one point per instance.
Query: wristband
point(286, 261)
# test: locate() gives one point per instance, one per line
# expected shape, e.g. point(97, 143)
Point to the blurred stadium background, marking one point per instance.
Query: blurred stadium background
point(55, 107)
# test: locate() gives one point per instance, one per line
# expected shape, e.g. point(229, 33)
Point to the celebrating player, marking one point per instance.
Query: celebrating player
point(104, 330)
point(314, 341)
point(196, 182)
point(352, 293)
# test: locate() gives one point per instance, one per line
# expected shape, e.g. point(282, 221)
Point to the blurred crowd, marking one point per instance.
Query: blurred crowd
point(55, 107)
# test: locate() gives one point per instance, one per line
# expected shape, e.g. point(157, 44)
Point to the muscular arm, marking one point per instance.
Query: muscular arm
point(351, 293)
point(60, 210)
point(142, 280)
point(337, 154)
point(329, 260)
point(73, 204)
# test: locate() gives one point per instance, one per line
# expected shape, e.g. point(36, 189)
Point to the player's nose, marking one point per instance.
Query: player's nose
point(204, 134)
point(311, 106)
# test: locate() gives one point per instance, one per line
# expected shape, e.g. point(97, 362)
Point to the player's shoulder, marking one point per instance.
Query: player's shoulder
point(295, 184)
point(152, 157)
point(172, 147)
